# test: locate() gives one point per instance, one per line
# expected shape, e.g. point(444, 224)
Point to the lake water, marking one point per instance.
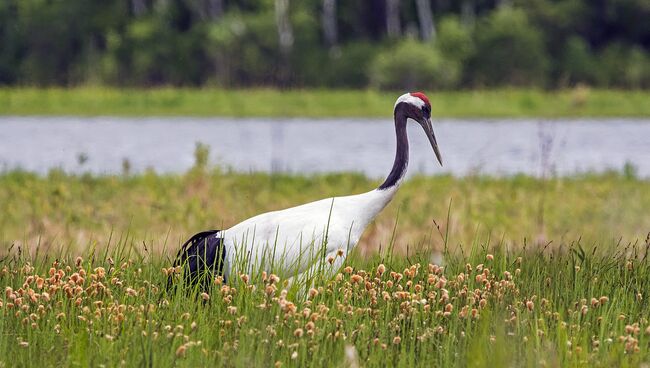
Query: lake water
point(497, 147)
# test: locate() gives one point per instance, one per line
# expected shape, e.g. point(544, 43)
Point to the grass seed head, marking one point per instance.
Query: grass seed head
point(380, 270)
point(180, 352)
point(530, 305)
point(441, 283)
point(312, 293)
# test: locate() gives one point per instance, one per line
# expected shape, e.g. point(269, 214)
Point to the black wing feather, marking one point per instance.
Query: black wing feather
point(202, 257)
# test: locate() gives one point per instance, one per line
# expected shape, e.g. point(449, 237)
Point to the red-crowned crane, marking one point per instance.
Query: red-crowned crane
point(304, 239)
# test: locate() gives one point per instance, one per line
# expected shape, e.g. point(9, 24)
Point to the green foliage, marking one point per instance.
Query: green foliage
point(183, 43)
point(306, 61)
point(625, 67)
point(454, 41)
point(258, 43)
point(578, 63)
point(509, 50)
point(10, 39)
point(348, 65)
point(411, 65)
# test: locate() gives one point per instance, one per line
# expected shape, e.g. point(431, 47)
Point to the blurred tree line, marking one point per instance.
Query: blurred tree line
point(441, 44)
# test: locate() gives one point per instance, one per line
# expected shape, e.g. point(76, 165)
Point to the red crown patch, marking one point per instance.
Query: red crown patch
point(422, 97)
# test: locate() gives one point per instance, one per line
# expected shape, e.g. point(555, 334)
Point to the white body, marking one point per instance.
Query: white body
point(304, 237)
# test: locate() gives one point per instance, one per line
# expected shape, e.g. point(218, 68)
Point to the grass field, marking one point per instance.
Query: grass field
point(77, 210)
point(579, 102)
point(534, 273)
point(520, 308)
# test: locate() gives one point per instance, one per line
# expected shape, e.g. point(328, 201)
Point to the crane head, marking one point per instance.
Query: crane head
point(417, 107)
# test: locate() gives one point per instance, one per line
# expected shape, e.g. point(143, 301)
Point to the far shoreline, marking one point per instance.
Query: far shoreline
point(580, 102)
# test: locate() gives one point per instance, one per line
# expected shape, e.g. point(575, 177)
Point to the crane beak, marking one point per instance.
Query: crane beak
point(428, 129)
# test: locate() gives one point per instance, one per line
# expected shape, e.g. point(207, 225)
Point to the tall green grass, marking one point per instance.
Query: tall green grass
point(486, 306)
point(89, 101)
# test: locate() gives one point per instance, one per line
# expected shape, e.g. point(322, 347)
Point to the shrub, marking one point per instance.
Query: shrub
point(509, 50)
point(623, 66)
point(307, 62)
point(454, 41)
point(578, 64)
point(348, 65)
point(413, 65)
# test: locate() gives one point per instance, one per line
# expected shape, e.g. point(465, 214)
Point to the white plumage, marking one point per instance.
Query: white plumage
point(297, 235)
point(313, 236)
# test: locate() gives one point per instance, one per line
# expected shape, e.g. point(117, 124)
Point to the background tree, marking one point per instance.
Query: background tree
point(325, 43)
point(509, 50)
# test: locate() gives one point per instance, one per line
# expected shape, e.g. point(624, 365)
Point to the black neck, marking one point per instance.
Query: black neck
point(402, 151)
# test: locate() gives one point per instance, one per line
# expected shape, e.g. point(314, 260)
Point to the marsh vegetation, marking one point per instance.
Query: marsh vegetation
point(473, 271)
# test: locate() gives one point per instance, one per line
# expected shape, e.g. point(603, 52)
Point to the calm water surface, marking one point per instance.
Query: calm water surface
point(498, 147)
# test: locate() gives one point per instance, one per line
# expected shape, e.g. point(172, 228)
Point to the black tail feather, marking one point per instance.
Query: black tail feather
point(202, 258)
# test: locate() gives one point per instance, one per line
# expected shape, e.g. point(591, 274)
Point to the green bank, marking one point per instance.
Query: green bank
point(502, 103)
